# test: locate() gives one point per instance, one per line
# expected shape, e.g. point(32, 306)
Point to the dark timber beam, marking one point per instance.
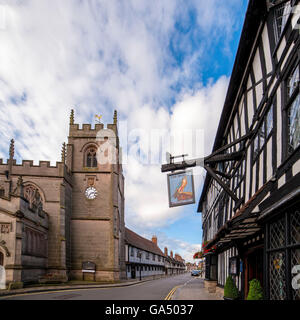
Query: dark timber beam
point(224, 157)
point(243, 138)
point(221, 183)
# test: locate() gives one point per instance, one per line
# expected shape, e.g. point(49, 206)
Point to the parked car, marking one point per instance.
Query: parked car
point(195, 273)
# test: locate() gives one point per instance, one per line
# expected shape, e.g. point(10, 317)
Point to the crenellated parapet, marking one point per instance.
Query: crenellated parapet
point(86, 129)
point(44, 168)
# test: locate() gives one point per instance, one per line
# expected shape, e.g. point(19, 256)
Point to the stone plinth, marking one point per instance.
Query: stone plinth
point(210, 285)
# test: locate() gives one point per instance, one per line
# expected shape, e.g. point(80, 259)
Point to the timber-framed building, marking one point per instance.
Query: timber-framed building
point(256, 232)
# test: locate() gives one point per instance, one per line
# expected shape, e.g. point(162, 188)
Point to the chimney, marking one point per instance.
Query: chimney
point(154, 239)
point(171, 254)
point(166, 251)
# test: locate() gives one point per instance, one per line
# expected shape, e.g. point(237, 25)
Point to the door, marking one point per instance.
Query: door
point(132, 272)
point(253, 268)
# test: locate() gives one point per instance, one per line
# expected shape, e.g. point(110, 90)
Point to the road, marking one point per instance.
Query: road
point(182, 286)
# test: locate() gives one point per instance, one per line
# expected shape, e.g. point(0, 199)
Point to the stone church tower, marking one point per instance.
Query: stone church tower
point(55, 218)
point(97, 219)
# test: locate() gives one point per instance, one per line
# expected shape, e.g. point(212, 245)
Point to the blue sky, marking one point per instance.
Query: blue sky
point(164, 65)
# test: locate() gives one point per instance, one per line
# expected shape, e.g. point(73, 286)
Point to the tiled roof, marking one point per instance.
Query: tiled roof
point(139, 242)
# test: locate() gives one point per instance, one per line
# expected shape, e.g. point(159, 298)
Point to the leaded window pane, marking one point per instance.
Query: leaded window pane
point(277, 234)
point(294, 124)
point(261, 136)
point(277, 276)
point(293, 82)
point(270, 121)
point(281, 15)
point(256, 145)
point(295, 227)
point(295, 264)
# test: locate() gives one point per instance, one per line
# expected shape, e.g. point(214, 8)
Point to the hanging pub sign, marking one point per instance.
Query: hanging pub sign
point(181, 188)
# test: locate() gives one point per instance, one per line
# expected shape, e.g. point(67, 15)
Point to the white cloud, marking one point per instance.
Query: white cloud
point(146, 186)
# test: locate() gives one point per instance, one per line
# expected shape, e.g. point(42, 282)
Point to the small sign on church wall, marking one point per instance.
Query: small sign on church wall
point(181, 188)
point(89, 267)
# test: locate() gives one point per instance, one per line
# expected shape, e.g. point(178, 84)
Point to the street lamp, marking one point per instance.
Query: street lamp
point(139, 255)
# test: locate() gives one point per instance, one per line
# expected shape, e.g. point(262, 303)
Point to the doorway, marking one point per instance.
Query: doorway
point(253, 263)
point(1, 259)
point(132, 272)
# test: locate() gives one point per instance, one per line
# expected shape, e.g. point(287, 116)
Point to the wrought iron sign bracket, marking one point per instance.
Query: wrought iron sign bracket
point(209, 162)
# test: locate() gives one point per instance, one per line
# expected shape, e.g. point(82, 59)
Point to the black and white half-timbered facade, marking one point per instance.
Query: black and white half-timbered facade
point(251, 229)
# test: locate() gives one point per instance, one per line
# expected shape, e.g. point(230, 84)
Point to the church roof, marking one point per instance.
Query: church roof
point(137, 241)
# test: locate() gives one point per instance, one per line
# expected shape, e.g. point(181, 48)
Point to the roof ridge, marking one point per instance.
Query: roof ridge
point(147, 242)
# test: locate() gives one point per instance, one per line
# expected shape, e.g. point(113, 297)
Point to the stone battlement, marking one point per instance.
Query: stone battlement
point(86, 130)
point(43, 168)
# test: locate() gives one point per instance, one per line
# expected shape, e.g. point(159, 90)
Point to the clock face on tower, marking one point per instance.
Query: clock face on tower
point(91, 193)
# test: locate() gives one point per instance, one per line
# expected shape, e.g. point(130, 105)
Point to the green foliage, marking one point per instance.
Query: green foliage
point(230, 289)
point(255, 290)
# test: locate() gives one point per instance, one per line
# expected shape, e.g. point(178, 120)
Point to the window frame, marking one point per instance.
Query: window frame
point(286, 248)
point(277, 36)
point(266, 135)
point(35, 199)
point(288, 103)
point(94, 162)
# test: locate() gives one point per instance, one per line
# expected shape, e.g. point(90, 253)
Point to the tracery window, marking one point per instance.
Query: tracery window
point(91, 158)
point(34, 198)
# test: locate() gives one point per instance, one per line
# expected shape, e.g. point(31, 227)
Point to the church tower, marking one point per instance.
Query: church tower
point(97, 220)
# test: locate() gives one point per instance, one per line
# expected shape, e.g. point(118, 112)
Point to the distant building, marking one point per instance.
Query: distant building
point(191, 266)
point(143, 257)
point(173, 265)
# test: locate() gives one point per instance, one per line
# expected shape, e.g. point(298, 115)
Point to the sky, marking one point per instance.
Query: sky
point(163, 65)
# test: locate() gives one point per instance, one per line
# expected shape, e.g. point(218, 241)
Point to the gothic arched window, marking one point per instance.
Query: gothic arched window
point(91, 158)
point(34, 198)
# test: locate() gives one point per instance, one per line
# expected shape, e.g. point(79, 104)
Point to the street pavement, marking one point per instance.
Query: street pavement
point(193, 289)
point(180, 287)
